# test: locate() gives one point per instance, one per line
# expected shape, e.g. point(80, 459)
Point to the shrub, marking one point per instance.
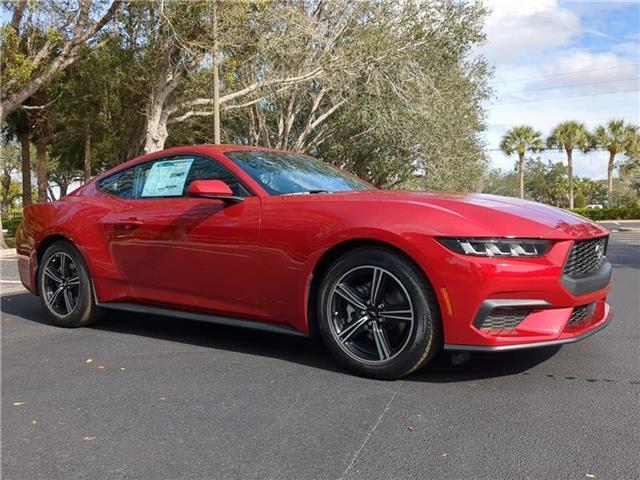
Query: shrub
point(618, 213)
point(11, 225)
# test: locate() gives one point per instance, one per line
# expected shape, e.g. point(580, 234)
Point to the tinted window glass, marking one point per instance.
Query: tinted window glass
point(120, 184)
point(285, 173)
point(168, 177)
point(171, 177)
point(206, 169)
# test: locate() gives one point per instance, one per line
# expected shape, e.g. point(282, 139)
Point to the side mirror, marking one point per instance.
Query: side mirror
point(215, 189)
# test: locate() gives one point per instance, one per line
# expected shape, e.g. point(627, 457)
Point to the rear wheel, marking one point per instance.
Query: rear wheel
point(65, 286)
point(377, 314)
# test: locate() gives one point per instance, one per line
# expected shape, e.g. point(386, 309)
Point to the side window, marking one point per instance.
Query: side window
point(168, 177)
point(120, 184)
point(206, 169)
point(163, 178)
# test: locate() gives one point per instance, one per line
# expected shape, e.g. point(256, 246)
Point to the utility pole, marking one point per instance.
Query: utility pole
point(216, 78)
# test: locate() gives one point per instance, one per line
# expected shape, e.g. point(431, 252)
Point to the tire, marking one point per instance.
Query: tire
point(404, 314)
point(53, 278)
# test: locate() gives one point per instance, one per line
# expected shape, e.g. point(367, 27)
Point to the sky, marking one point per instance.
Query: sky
point(561, 60)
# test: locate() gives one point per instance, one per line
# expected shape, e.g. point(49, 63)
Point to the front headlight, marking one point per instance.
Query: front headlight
point(497, 247)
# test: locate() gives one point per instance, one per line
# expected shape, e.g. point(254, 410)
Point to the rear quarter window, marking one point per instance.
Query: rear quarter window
point(119, 184)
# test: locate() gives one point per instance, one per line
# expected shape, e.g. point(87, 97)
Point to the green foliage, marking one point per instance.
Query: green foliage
point(521, 139)
point(619, 213)
point(398, 101)
point(11, 225)
point(547, 183)
point(588, 192)
point(615, 137)
point(569, 135)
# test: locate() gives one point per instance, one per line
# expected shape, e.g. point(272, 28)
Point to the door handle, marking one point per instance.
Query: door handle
point(129, 224)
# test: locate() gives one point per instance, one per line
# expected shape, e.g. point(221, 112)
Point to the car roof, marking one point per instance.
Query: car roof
point(203, 149)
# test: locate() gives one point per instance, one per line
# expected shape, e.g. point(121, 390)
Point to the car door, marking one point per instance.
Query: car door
point(188, 252)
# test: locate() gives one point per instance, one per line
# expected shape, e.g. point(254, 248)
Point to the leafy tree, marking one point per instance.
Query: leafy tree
point(397, 100)
point(18, 127)
point(9, 189)
point(62, 173)
point(615, 137)
point(42, 39)
point(520, 139)
point(589, 192)
point(547, 182)
point(567, 136)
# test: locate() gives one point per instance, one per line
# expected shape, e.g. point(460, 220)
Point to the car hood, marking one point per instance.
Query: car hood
point(480, 214)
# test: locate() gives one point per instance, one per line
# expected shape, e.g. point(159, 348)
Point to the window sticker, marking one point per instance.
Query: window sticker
point(167, 178)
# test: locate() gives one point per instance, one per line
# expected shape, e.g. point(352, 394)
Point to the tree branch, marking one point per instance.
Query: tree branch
point(251, 88)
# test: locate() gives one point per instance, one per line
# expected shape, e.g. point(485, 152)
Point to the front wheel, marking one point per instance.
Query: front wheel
point(377, 314)
point(65, 287)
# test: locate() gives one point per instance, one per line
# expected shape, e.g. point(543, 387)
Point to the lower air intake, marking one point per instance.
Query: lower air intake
point(504, 318)
point(582, 312)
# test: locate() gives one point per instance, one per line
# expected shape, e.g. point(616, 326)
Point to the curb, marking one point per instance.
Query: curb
point(7, 252)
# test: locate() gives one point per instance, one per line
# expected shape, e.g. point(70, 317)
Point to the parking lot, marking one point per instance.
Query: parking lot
point(149, 397)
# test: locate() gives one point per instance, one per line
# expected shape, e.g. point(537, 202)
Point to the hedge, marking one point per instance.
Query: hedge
point(620, 213)
point(11, 225)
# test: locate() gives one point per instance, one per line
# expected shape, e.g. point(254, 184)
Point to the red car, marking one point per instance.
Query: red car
point(282, 242)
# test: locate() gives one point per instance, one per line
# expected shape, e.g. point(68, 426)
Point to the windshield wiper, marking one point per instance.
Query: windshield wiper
point(308, 192)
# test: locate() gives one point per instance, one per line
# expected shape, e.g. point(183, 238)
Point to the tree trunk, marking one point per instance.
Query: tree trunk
point(570, 175)
point(156, 131)
point(41, 159)
point(26, 168)
point(521, 175)
point(87, 153)
point(52, 196)
point(158, 113)
point(3, 245)
point(64, 188)
point(216, 79)
point(612, 157)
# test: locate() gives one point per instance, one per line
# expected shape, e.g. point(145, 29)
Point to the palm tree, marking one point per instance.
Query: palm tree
point(567, 136)
point(520, 139)
point(615, 137)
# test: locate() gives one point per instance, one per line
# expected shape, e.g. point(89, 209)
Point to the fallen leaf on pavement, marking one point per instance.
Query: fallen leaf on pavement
point(17, 404)
point(88, 439)
point(88, 360)
point(34, 422)
point(162, 398)
point(411, 429)
point(590, 475)
point(122, 368)
point(101, 367)
point(444, 454)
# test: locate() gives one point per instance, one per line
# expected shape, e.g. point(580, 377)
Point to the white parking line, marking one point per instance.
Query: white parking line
point(10, 281)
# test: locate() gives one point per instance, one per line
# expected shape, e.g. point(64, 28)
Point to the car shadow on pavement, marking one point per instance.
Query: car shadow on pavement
point(445, 368)
point(450, 367)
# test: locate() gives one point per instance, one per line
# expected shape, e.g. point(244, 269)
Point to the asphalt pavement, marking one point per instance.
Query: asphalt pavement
point(141, 397)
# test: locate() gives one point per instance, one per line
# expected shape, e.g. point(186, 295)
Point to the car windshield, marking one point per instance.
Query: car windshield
point(282, 173)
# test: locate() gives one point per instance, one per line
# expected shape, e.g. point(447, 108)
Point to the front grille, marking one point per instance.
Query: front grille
point(582, 313)
point(586, 256)
point(504, 318)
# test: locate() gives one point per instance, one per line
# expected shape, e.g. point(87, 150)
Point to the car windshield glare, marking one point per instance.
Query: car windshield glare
point(282, 173)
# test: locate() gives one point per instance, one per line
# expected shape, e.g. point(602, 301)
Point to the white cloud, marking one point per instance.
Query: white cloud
point(524, 28)
point(569, 74)
point(533, 46)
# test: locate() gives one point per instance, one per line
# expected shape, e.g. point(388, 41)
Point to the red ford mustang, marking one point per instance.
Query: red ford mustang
point(282, 242)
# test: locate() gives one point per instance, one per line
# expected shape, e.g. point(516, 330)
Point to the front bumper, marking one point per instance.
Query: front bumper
point(566, 337)
point(475, 285)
